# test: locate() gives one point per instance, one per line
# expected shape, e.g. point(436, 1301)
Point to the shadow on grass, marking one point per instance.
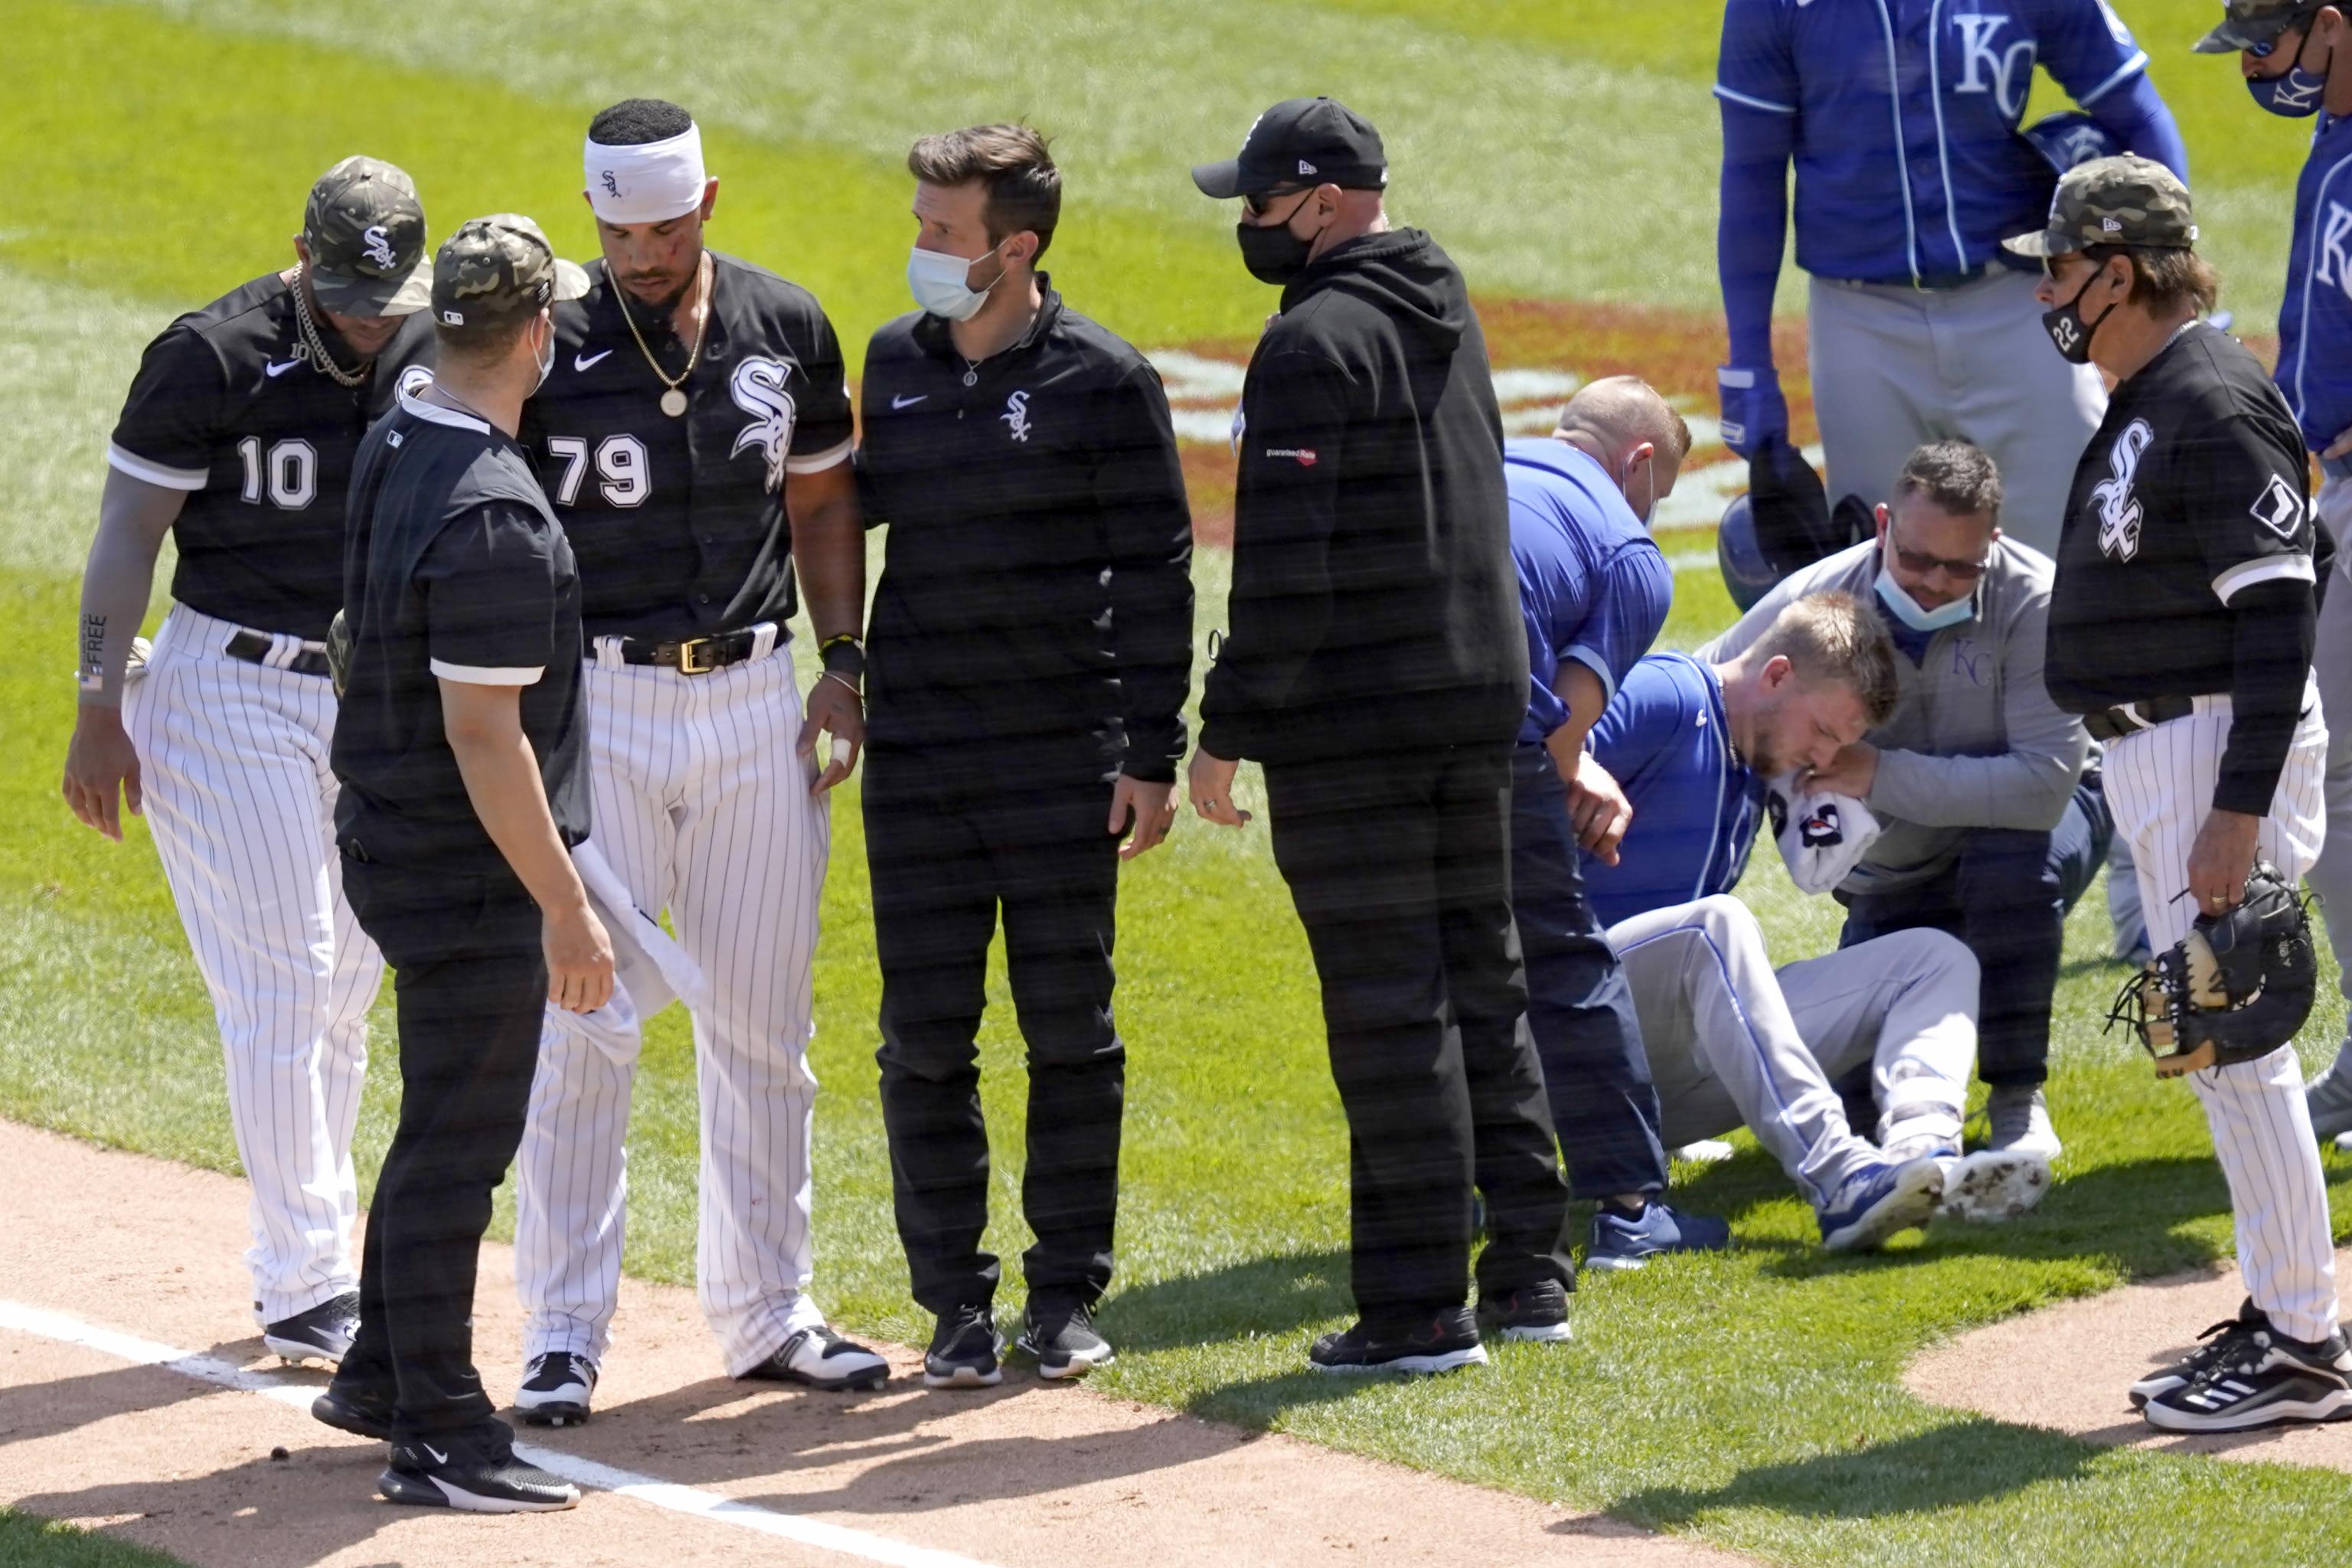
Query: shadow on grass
point(1269, 1296)
point(1966, 1462)
point(2130, 1214)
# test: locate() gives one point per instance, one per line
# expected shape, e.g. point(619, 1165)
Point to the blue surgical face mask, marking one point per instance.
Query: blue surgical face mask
point(1909, 610)
point(2294, 96)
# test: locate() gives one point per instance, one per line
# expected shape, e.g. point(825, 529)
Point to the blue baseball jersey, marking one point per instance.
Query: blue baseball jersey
point(1594, 586)
point(1665, 740)
point(1902, 117)
point(2315, 362)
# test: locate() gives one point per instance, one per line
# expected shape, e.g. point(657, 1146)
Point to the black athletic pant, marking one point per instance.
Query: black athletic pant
point(470, 983)
point(1400, 867)
point(1579, 1007)
point(948, 844)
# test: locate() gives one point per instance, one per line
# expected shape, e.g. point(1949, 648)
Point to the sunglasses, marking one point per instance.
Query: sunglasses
point(1258, 206)
point(1918, 562)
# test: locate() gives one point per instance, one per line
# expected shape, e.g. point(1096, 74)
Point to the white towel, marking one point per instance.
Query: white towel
point(636, 932)
point(1821, 834)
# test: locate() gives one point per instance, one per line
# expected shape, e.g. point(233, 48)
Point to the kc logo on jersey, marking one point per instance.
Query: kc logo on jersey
point(1016, 415)
point(2334, 267)
point(758, 388)
point(2005, 71)
point(2119, 511)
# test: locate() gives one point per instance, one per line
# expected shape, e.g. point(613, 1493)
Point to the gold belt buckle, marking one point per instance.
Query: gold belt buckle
point(686, 652)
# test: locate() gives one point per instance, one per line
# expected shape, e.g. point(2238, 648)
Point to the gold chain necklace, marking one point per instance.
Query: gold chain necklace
point(317, 345)
point(673, 401)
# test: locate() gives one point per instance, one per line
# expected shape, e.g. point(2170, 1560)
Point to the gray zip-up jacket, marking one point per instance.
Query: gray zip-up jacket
point(1975, 740)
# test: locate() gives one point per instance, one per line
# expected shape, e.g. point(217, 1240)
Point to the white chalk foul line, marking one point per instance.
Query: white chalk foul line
point(39, 1321)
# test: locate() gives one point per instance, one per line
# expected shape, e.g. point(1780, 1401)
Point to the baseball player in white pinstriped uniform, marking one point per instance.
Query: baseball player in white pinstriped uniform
point(695, 438)
point(237, 438)
point(2181, 628)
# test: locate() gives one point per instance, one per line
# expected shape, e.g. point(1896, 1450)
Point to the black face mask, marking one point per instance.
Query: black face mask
point(1271, 252)
point(2068, 331)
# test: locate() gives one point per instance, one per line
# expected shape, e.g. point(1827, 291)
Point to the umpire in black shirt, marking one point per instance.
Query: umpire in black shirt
point(459, 747)
point(1376, 667)
point(1030, 655)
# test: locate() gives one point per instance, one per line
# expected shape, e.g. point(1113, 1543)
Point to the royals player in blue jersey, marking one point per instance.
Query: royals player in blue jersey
point(2289, 51)
point(1593, 591)
point(1692, 745)
point(1902, 117)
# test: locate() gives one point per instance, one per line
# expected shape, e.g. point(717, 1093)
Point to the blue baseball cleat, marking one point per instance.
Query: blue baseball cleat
point(1624, 1241)
point(1880, 1200)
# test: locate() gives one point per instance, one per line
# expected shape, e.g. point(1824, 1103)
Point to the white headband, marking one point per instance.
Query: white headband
point(652, 181)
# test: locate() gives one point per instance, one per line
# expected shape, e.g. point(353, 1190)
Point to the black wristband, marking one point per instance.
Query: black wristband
point(843, 656)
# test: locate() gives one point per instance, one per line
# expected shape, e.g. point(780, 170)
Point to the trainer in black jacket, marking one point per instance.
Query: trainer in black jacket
point(1031, 653)
point(1376, 666)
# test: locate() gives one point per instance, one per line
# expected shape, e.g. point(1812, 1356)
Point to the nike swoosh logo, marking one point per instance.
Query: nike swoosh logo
point(582, 361)
point(438, 1456)
point(276, 370)
point(908, 402)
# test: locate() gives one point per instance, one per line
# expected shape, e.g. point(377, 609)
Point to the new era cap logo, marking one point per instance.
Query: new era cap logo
point(2111, 226)
point(1306, 168)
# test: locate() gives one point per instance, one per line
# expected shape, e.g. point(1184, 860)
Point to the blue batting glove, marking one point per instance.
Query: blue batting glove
point(1753, 409)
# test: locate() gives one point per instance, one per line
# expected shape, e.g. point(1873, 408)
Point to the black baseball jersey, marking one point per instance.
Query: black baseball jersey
point(457, 570)
point(678, 523)
point(1037, 587)
point(227, 406)
point(2195, 489)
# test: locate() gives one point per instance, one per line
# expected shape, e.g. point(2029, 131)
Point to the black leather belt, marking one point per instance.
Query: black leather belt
point(696, 655)
point(2114, 723)
point(253, 649)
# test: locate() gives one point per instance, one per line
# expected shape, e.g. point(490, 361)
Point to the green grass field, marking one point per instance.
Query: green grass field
point(157, 155)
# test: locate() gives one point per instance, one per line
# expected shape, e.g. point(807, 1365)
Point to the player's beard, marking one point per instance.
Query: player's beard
point(660, 314)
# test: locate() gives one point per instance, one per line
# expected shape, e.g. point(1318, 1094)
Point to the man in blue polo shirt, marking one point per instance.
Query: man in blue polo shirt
point(1901, 117)
point(1593, 590)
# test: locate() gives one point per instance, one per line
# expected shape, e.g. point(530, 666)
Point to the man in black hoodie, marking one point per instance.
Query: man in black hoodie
point(1377, 668)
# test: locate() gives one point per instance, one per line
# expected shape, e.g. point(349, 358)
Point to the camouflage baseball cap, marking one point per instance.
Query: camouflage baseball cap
point(2251, 24)
point(364, 229)
point(496, 269)
point(2123, 200)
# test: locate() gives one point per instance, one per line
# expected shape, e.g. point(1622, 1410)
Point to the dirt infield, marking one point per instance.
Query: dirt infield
point(2083, 1356)
point(109, 1261)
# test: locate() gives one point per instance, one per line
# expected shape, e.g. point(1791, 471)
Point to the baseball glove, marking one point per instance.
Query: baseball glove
point(2238, 986)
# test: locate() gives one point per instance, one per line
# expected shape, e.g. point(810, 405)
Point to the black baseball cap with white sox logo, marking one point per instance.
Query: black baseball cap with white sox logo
point(1298, 143)
point(364, 229)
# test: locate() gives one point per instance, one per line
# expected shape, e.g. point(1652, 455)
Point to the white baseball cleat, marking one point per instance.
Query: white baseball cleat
point(1993, 1185)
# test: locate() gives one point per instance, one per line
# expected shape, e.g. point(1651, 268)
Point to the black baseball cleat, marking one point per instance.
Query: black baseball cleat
point(819, 1358)
point(1537, 1313)
point(1060, 1332)
point(322, 1333)
point(1442, 1341)
point(2259, 1379)
point(2221, 1341)
point(555, 1389)
point(474, 1470)
point(348, 1410)
point(964, 1351)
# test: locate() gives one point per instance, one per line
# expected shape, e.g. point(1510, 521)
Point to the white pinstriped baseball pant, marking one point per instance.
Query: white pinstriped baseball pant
point(701, 808)
point(2160, 784)
point(241, 801)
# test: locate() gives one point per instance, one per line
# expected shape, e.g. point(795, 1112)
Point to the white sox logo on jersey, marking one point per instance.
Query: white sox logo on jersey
point(1016, 415)
point(2119, 510)
point(2279, 509)
point(758, 388)
point(2004, 70)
